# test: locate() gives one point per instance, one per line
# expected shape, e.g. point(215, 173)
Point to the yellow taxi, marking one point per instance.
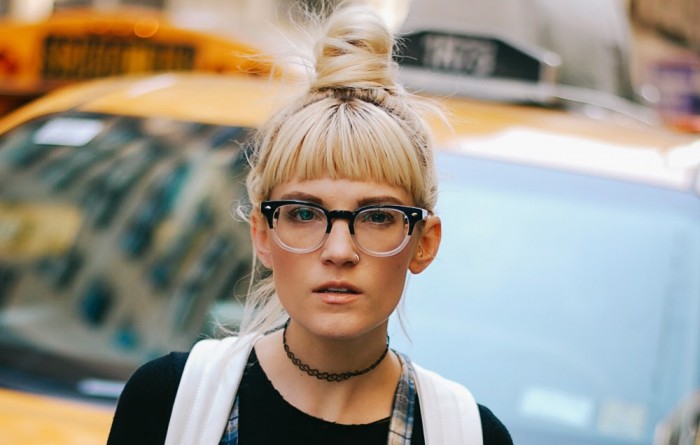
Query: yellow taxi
point(569, 279)
point(116, 238)
point(78, 44)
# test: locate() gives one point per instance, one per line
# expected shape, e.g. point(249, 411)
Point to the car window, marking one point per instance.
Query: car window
point(117, 241)
point(569, 304)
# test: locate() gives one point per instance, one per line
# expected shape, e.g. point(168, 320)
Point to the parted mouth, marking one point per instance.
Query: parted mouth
point(337, 288)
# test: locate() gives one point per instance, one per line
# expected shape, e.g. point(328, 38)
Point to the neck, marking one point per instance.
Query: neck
point(307, 351)
point(326, 375)
point(360, 399)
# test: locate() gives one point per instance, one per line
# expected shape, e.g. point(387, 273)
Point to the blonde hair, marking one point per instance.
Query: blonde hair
point(355, 121)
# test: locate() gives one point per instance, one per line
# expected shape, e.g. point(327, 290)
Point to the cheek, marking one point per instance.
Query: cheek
point(284, 263)
point(392, 275)
point(290, 271)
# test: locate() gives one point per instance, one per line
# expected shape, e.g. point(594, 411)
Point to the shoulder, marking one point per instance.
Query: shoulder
point(158, 376)
point(145, 404)
point(444, 395)
point(493, 430)
point(437, 387)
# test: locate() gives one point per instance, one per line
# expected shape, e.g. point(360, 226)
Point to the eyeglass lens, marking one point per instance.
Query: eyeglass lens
point(303, 228)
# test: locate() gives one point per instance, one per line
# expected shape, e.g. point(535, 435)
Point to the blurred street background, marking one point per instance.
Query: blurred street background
point(569, 271)
point(662, 50)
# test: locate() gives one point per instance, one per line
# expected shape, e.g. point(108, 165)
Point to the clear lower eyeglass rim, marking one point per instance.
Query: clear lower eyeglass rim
point(289, 248)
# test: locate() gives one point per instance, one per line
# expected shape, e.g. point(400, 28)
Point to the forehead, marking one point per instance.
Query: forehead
point(341, 193)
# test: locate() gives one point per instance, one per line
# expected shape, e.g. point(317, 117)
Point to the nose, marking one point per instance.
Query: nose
point(339, 248)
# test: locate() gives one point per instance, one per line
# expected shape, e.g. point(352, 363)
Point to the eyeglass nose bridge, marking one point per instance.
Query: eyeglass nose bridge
point(340, 214)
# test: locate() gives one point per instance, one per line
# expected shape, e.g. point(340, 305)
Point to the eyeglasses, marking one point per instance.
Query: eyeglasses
point(379, 230)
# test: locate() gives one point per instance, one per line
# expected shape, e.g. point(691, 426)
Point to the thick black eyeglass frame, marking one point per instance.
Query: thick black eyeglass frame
point(413, 214)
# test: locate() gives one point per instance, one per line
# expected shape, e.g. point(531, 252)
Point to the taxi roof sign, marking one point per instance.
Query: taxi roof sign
point(479, 58)
point(475, 55)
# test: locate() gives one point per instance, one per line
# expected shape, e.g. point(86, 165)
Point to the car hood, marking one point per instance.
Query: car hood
point(30, 419)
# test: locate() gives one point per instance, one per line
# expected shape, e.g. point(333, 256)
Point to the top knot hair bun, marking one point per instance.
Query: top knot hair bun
point(353, 119)
point(355, 51)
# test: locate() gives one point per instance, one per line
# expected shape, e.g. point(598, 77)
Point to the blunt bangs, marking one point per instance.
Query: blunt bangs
point(341, 139)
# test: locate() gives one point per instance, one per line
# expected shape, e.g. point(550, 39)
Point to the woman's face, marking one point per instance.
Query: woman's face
point(339, 291)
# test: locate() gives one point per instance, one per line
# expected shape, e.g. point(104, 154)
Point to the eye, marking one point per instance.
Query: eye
point(378, 216)
point(303, 214)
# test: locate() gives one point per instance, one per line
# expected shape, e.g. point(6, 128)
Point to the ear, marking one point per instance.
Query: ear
point(427, 247)
point(260, 234)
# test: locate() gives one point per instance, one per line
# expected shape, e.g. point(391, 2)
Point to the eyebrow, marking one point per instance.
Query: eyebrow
point(370, 200)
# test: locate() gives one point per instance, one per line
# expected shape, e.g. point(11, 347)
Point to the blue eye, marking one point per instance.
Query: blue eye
point(303, 214)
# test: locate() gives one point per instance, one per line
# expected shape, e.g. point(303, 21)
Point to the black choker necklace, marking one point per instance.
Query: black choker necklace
point(328, 376)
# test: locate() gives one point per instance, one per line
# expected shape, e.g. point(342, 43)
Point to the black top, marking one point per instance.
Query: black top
point(143, 412)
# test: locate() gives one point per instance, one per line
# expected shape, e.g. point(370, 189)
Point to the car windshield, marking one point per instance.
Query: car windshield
point(569, 304)
point(117, 244)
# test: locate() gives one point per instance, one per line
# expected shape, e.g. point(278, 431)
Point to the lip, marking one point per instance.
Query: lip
point(326, 292)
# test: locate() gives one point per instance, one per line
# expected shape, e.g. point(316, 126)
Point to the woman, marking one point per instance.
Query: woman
point(342, 185)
